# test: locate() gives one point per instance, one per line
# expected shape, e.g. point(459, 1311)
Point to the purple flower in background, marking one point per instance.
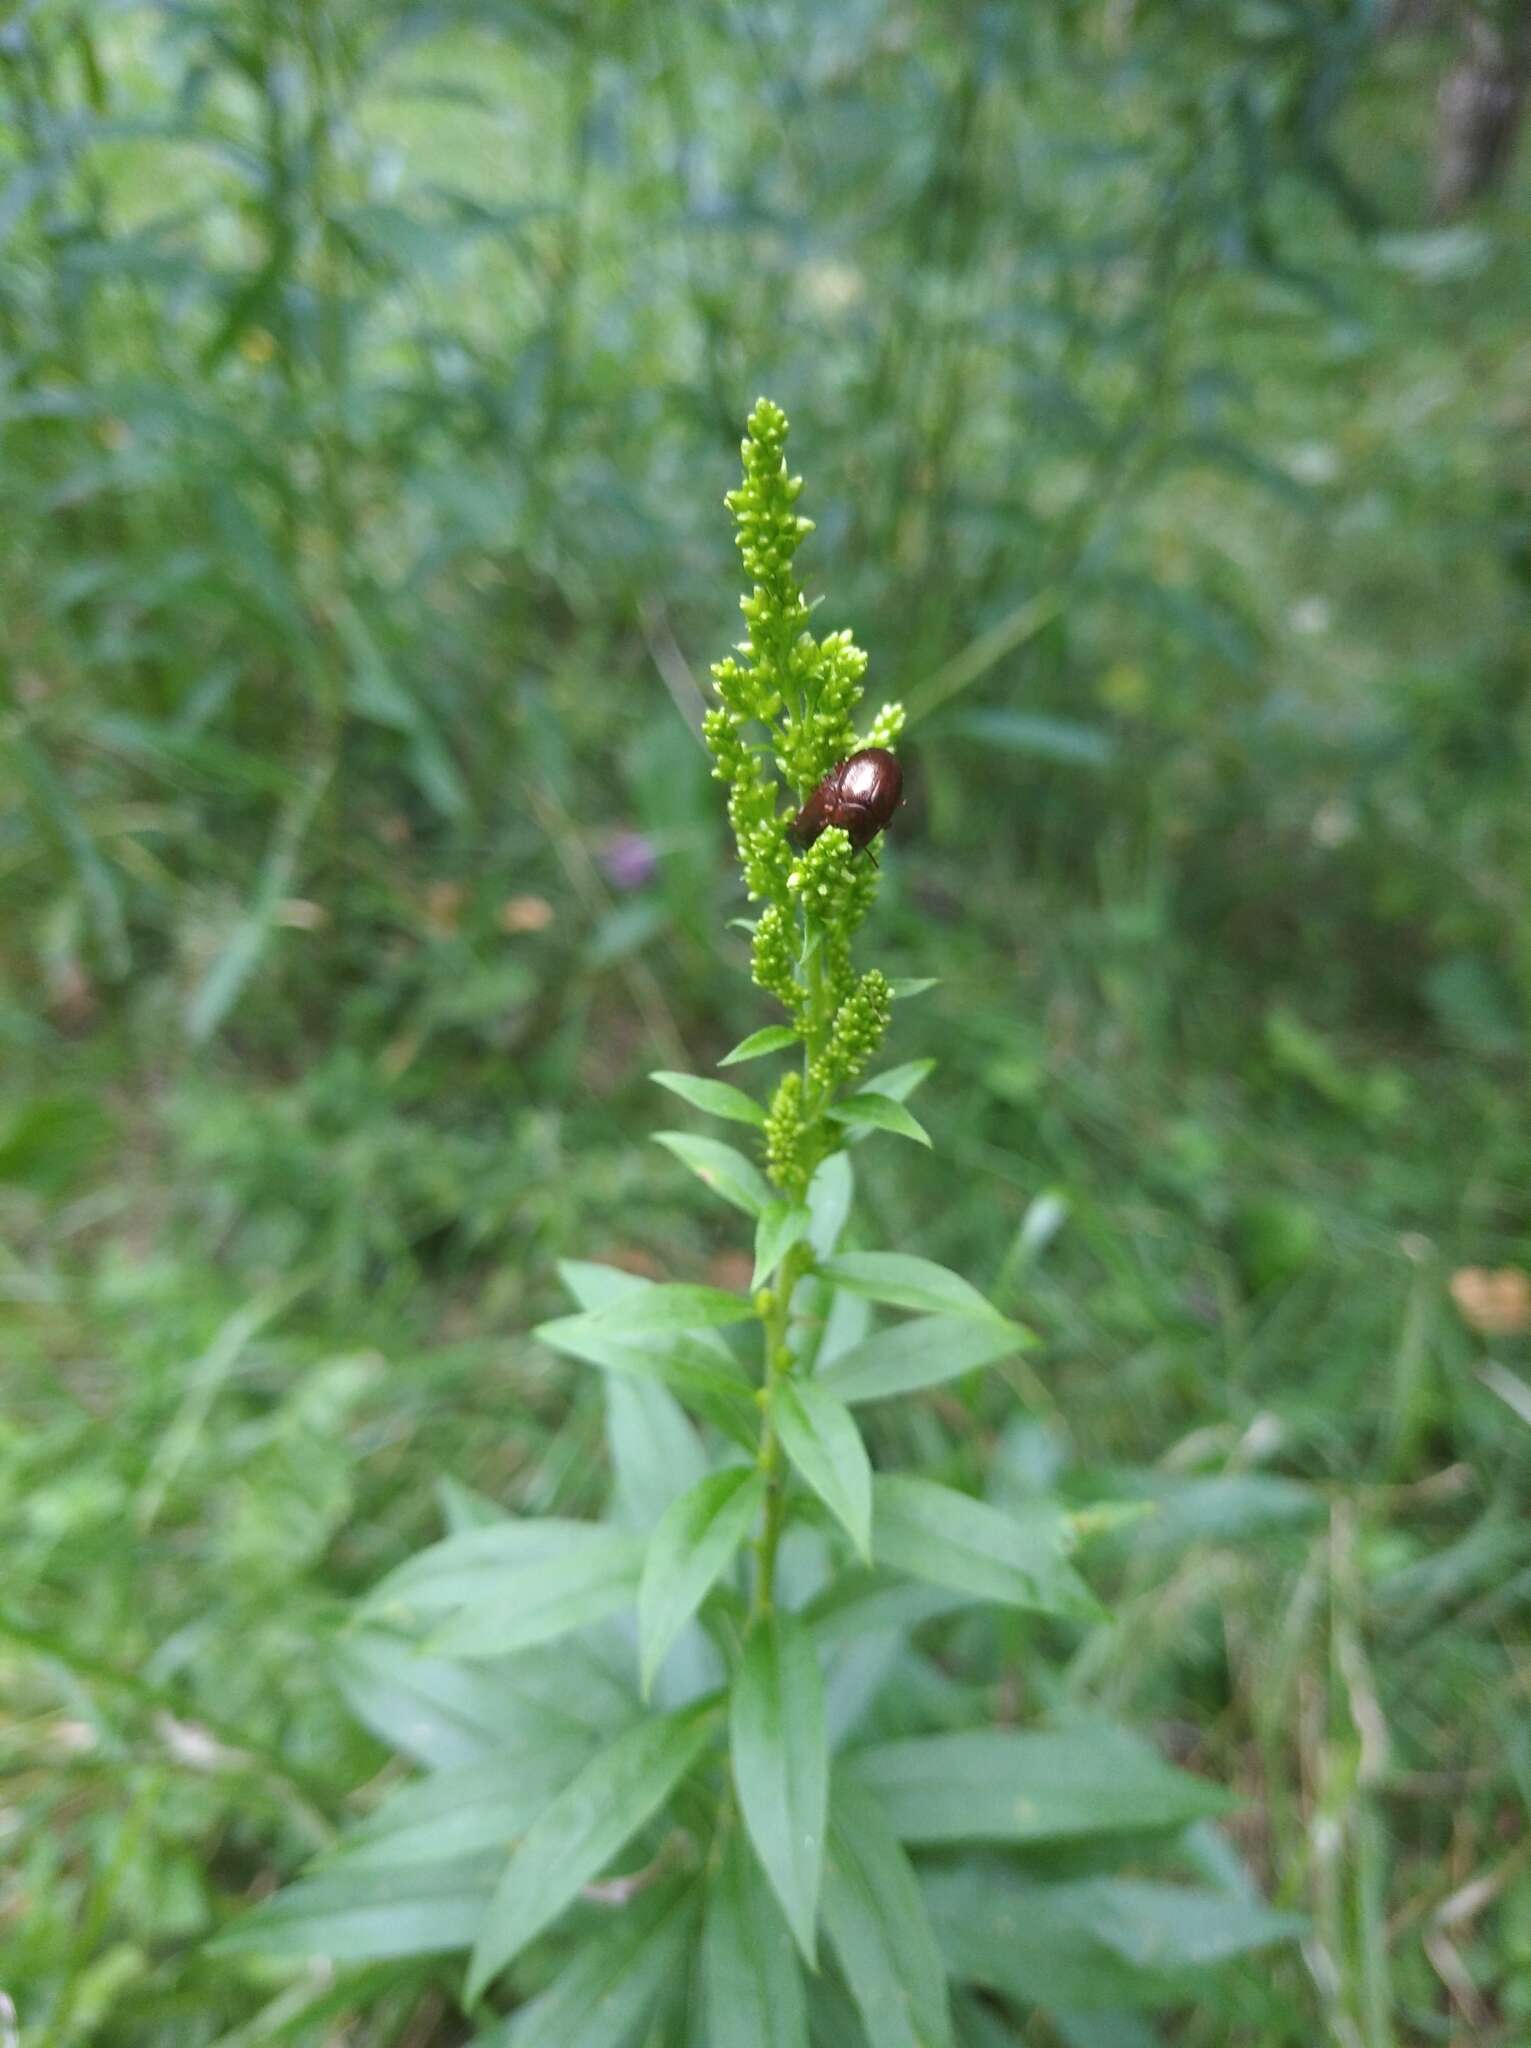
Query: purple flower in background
point(629, 860)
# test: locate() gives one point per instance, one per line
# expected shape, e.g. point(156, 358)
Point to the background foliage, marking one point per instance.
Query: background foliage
point(371, 378)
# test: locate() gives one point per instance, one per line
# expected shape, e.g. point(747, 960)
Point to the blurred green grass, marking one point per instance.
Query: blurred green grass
point(370, 383)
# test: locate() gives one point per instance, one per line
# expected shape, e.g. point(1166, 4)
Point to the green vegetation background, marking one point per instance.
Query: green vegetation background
point(371, 380)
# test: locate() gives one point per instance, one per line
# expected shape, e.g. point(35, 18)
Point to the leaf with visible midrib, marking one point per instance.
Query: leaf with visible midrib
point(615, 1979)
point(881, 1932)
point(781, 1764)
point(937, 1534)
point(576, 1836)
point(824, 1444)
point(691, 1547)
point(907, 1282)
point(751, 1978)
point(717, 1098)
point(923, 1352)
point(1006, 1785)
point(546, 1600)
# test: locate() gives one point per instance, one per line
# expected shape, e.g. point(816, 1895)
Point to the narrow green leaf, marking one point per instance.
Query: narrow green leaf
point(774, 1038)
point(823, 1442)
point(905, 1282)
point(240, 953)
point(1001, 1785)
point(829, 1202)
point(473, 1565)
point(924, 1352)
point(451, 1714)
point(781, 1764)
point(726, 1172)
point(595, 1286)
point(906, 986)
point(677, 1305)
point(576, 1837)
point(858, 1604)
point(1094, 1943)
point(881, 1932)
point(879, 1113)
point(602, 1997)
point(478, 1806)
point(781, 1225)
point(705, 1376)
point(355, 1916)
point(752, 1982)
point(934, 1533)
point(656, 1453)
point(715, 1097)
point(689, 1551)
point(900, 1082)
point(56, 802)
point(542, 1601)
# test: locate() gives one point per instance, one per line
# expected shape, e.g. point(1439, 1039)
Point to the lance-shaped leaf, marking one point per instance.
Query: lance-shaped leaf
point(829, 1202)
point(752, 1980)
point(540, 1602)
point(704, 1374)
point(1094, 1943)
point(773, 1038)
point(615, 1980)
point(879, 1113)
point(719, 1167)
point(935, 1533)
point(923, 1352)
point(357, 1915)
point(781, 1764)
point(459, 1812)
point(781, 1225)
point(676, 1305)
point(691, 1548)
point(578, 1834)
point(880, 1929)
point(900, 1082)
point(906, 1282)
point(717, 1098)
point(825, 1446)
point(1003, 1785)
point(474, 1564)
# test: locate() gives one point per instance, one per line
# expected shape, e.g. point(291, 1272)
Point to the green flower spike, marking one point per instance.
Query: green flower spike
point(784, 717)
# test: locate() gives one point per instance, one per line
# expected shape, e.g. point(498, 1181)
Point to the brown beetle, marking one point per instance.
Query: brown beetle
point(859, 794)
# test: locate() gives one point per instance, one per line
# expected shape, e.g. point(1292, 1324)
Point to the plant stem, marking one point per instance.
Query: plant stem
point(769, 1456)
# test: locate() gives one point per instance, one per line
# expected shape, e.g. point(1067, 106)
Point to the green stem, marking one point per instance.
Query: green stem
point(778, 1365)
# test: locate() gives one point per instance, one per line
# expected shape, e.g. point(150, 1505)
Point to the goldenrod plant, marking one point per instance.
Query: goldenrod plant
point(724, 1770)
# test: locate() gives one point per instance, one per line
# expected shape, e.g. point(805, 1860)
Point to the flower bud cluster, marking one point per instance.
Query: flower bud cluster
point(783, 716)
point(860, 1024)
point(886, 728)
point(786, 1138)
point(774, 958)
point(819, 732)
point(823, 880)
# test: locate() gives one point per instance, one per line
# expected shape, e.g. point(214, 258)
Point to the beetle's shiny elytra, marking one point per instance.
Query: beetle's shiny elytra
point(859, 794)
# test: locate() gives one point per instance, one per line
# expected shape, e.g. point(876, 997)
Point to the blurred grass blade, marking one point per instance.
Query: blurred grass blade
point(219, 989)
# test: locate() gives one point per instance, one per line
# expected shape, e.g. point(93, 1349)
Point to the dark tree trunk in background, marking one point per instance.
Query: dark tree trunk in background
point(1481, 106)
